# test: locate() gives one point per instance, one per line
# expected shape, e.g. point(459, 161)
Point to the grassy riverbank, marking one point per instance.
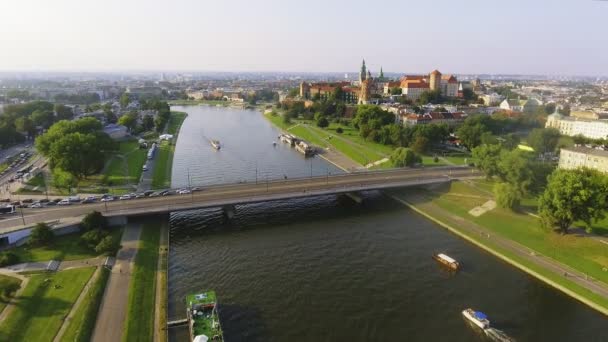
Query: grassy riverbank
point(450, 207)
point(64, 247)
point(161, 176)
point(349, 142)
point(80, 329)
point(142, 290)
point(198, 102)
point(46, 300)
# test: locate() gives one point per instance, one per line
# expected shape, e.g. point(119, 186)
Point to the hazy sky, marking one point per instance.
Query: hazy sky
point(456, 36)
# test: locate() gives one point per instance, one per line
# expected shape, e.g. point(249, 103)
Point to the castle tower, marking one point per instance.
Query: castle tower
point(435, 80)
point(364, 95)
point(363, 72)
point(304, 90)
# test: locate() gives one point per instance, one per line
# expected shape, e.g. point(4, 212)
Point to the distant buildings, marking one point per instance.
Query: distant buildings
point(492, 99)
point(571, 126)
point(451, 119)
point(576, 157)
point(517, 105)
point(412, 86)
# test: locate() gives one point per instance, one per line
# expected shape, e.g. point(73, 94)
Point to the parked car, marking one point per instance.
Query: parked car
point(125, 197)
point(184, 192)
point(168, 192)
point(107, 199)
point(74, 199)
point(27, 200)
point(140, 195)
point(57, 200)
point(148, 192)
point(36, 205)
point(145, 167)
point(51, 203)
point(65, 201)
point(90, 199)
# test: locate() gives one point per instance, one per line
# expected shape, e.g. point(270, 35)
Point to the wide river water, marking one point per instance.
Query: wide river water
point(328, 269)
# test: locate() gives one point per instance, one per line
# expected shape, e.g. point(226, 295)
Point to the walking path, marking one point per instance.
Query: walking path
point(425, 207)
point(113, 310)
point(160, 304)
point(83, 294)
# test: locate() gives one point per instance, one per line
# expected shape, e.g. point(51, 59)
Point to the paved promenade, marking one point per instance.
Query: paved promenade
point(113, 311)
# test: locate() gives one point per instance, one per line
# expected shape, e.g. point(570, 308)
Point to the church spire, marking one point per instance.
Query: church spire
point(363, 73)
point(381, 74)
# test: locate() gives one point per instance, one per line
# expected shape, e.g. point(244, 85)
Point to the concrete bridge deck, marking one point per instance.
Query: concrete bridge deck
point(234, 194)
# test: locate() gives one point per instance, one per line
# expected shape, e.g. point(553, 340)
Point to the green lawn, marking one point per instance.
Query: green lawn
point(38, 180)
point(161, 176)
point(142, 290)
point(46, 300)
point(6, 281)
point(175, 122)
point(83, 322)
point(584, 254)
point(65, 247)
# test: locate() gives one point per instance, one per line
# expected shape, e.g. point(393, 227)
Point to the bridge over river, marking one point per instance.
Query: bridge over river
point(243, 193)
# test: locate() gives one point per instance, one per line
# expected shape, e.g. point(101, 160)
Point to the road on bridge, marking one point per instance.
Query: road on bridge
point(233, 194)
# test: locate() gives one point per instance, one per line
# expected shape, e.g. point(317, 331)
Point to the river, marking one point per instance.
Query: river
point(328, 269)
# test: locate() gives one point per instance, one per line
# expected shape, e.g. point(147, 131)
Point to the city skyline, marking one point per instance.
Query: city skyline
point(467, 37)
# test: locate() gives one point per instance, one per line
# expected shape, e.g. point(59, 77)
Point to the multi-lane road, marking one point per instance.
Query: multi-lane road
point(226, 195)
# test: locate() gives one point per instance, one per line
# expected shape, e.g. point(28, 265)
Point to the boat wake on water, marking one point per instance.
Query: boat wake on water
point(498, 335)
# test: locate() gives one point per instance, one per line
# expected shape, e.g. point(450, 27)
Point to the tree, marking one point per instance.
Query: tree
point(550, 108)
point(106, 245)
point(421, 144)
point(8, 258)
point(124, 100)
point(573, 195)
point(93, 220)
point(430, 96)
point(41, 235)
point(147, 122)
point(511, 141)
point(402, 157)
point(543, 140)
point(507, 195)
point(488, 139)
point(339, 130)
point(8, 286)
point(44, 118)
point(487, 158)
point(470, 135)
point(92, 237)
point(516, 169)
point(322, 122)
point(396, 91)
point(78, 147)
point(128, 120)
point(63, 112)
point(25, 125)
point(63, 180)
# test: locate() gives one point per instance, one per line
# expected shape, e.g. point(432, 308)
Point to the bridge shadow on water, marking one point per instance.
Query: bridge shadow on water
point(278, 213)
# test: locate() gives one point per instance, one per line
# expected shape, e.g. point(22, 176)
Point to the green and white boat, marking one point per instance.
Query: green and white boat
point(203, 319)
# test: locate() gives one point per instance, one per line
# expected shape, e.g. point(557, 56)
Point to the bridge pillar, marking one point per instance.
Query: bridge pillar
point(229, 211)
point(355, 197)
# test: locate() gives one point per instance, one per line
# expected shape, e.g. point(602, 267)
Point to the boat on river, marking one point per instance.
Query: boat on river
point(446, 261)
point(203, 318)
point(478, 318)
point(216, 144)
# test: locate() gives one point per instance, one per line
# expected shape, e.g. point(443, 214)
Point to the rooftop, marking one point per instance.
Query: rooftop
point(587, 150)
